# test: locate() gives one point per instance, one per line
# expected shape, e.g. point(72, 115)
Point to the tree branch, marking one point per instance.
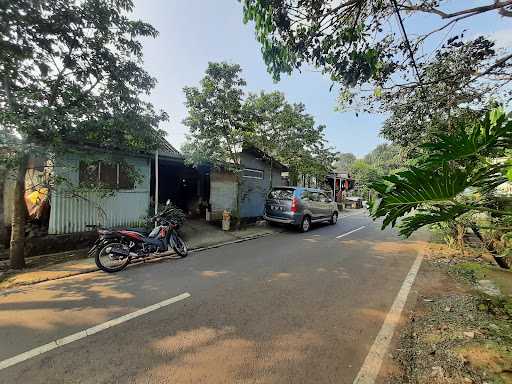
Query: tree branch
point(497, 5)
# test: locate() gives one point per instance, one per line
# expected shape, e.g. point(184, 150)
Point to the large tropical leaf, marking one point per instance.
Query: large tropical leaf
point(458, 174)
point(407, 190)
point(489, 137)
point(422, 217)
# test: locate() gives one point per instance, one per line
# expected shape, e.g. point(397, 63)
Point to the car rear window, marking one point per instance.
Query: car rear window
point(281, 194)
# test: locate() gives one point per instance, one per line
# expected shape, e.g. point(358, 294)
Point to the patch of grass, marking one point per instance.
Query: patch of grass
point(470, 271)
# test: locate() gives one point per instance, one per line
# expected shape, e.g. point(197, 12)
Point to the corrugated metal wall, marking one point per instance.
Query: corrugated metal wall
point(223, 189)
point(222, 193)
point(70, 214)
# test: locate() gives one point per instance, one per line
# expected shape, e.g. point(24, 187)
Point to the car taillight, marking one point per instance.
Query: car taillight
point(294, 205)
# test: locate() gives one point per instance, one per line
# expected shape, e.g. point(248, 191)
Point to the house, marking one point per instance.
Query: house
point(259, 173)
point(116, 188)
point(89, 186)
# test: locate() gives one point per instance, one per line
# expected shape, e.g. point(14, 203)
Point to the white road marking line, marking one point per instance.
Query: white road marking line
point(371, 366)
point(88, 332)
point(351, 214)
point(349, 232)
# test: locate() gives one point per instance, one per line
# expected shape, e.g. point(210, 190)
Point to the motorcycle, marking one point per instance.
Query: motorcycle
point(115, 249)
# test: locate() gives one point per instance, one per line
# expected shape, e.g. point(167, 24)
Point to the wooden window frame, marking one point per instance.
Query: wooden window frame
point(117, 177)
point(254, 177)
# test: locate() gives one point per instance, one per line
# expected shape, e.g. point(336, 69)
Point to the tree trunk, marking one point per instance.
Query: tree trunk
point(293, 177)
point(500, 260)
point(461, 231)
point(19, 214)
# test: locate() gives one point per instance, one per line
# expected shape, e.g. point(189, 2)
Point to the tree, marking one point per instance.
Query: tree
point(344, 161)
point(353, 41)
point(71, 74)
point(386, 158)
point(286, 132)
point(364, 175)
point(416, 112)
point(457, 176)
point(218, 127)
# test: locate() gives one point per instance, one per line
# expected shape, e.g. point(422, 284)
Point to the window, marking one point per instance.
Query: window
point(125, 180)
point(324, 198)
point(315, 196)
point(88, 174)
point(281, 194)
point(107, 175)
point(309, 196)
point(305, 196)
point(252, 173)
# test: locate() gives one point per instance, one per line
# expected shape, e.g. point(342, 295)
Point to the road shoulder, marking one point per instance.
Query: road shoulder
point(454, 332)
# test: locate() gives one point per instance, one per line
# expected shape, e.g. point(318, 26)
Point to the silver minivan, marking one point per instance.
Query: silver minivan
point(300, 207)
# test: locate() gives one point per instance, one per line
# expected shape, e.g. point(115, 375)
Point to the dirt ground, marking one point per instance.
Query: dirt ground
point(455, 333)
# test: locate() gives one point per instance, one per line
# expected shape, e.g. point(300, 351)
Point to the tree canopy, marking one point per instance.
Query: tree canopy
point(289, 134)
point(386, 157)
point(218, 126)
point(448, 93)
point(380, 65)
point(353, 40)
point(222, 120)
point(382, 160)
point(344, 161)
point(71, 73)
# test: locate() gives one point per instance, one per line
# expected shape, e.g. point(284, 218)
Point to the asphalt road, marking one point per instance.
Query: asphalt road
point(288, 308)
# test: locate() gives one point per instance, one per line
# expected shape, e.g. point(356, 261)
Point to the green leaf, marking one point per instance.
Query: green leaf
point(413, 188)
point(488, 137)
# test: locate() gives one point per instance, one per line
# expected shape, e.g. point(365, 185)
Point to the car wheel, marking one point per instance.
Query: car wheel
point(334, 218)
point(305, 225)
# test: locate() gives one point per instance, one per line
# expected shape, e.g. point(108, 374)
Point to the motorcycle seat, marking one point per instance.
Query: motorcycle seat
point(143, 231)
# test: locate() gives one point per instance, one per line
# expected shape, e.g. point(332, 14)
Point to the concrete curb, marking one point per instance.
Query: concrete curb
point(23, 287)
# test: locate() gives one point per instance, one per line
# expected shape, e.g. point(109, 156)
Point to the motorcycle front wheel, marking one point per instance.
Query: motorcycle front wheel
point(108, 261)
point(179, 246)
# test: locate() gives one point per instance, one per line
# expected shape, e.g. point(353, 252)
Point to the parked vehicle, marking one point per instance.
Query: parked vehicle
point(300, 207)
point(115, 249)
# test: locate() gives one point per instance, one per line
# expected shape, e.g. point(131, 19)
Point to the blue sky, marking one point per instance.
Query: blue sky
point(194, 32)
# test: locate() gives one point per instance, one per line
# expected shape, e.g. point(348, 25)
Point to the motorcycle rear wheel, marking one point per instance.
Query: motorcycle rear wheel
point(108, 262)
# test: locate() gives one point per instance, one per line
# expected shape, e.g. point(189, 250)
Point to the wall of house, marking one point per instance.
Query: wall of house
point(70, 213)
point(254, 191)
point(223, 190)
